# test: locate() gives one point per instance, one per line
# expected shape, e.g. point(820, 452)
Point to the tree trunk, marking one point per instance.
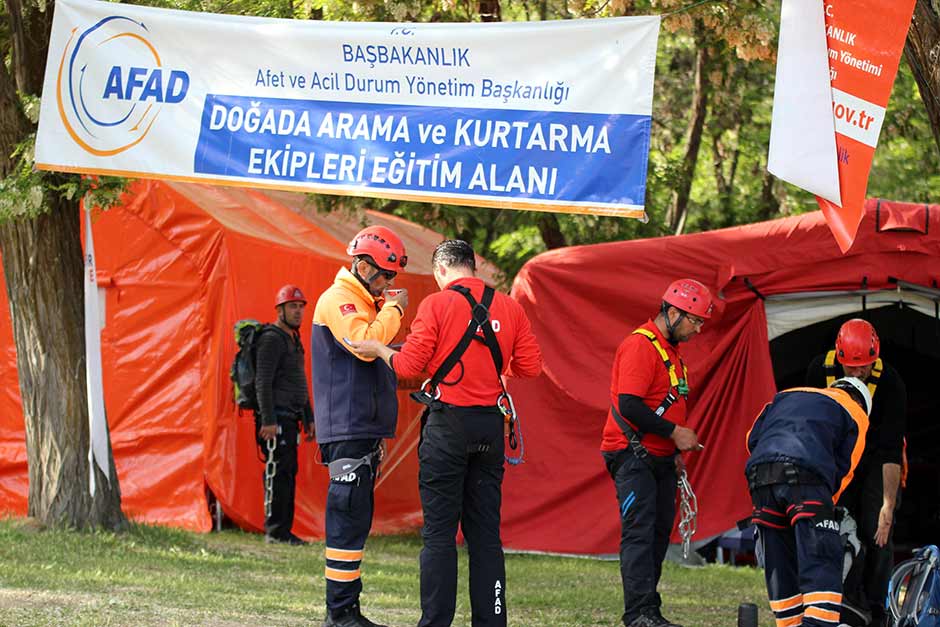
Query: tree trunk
point(42, 263)
point(43, 266)
point(680, 197)
point(922, 51)
point(550, 230)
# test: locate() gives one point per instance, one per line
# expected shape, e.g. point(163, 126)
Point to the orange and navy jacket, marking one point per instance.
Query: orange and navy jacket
point(822, 430)
point(441, 321)
point(353, 398)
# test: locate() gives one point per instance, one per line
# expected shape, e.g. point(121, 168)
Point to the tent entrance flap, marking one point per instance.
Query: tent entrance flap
point(789, 312)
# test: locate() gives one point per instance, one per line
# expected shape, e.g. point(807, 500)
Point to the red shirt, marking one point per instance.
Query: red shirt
point(639, 370)
point(441, 321)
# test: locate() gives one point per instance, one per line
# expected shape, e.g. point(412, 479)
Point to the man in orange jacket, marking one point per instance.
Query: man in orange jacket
point(355, 406)
point(461, 454)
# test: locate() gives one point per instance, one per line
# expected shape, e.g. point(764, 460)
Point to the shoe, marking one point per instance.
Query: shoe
point(349, 616)
point(291, 539)
point(668, 622)
point(652, 619)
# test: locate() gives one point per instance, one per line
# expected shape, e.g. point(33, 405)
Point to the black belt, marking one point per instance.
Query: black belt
point(781, 472)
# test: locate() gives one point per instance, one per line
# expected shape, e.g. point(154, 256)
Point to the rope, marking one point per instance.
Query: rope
point(688, 511)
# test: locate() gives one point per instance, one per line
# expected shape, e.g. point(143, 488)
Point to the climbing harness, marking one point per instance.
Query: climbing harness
point(430, 391)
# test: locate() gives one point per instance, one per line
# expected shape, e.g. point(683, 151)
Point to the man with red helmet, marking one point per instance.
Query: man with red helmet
point(284, 404)
point(645, 429)
point(873, 495)
point(355, 405)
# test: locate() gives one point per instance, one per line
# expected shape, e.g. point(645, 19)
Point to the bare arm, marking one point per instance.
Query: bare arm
point(891, 478)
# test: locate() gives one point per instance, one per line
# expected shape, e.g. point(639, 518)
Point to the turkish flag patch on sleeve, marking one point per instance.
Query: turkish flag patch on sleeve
point(347, 309)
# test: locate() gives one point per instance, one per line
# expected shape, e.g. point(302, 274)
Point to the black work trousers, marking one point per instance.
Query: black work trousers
point(460, 480)
point(350, 502)
point(802, 555)
point(646, 498)
point(279, 521)
point(864, 498)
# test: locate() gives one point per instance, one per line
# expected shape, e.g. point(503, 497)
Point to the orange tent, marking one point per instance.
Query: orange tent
point(178, 265)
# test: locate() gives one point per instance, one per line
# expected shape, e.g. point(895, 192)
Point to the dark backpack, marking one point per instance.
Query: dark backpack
point(914, 590)
point(247, 333)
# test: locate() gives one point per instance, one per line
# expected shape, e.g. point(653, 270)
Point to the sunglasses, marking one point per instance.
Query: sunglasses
point(387, 274)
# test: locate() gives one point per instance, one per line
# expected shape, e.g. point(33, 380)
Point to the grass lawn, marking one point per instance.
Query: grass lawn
point(159, 576)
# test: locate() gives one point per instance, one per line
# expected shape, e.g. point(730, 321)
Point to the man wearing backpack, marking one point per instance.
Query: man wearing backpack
point(461, 454)
point(355, 406)
point(284, 405)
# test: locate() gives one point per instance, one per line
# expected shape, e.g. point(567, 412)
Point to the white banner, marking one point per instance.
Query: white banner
point(802, 132)
point(97, 419)
point(528, 115)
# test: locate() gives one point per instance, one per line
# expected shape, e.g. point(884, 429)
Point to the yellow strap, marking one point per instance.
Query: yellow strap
point(830, 363)
point(671, 367)
point(873, 378)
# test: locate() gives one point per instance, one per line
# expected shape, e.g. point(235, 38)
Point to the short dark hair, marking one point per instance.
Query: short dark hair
point(452, 253)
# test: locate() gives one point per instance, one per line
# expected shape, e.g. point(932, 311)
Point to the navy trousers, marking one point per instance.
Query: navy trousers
point(802, 559)
point(350, 502)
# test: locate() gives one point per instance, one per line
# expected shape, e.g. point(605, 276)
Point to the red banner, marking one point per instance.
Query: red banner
point(865, 39)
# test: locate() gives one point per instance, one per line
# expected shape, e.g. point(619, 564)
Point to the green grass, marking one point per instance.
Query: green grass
point(159, 576)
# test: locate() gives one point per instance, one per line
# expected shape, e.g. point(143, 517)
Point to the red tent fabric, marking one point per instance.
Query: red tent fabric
point(178, 264)
point(582, 302)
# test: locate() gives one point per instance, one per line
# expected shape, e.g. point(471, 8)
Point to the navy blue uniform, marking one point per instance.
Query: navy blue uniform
point(803, 447)
point(355, 407)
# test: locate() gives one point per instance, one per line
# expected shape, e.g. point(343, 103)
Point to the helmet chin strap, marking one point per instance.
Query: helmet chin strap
point(671, 326)
point(367, 283)
point(282, 316)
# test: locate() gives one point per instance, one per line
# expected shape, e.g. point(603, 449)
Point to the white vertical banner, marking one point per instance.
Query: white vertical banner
point(802, 131)
point(97, 420)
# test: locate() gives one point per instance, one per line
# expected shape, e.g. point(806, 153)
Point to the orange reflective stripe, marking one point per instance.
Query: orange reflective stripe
point(811, 598)
point(792, 621)
point(343, 555)
point(335, 574)
point(819, 613)
point(904, 464)
point(787, 604)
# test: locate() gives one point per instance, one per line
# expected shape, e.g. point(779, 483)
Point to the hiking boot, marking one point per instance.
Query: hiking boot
point(349, 616)
point(652, 619)
point(667, 623)
point(291, 539)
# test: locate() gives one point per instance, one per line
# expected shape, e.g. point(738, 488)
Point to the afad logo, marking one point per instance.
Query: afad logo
point(112, 85)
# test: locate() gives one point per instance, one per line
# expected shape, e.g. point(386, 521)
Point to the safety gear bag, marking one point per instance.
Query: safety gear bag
point(242, 373)
point(914, 590)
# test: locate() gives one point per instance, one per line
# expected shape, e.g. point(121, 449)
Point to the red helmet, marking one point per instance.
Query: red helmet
point(380, 243)
point(857, 343)
point(289, 294)
point(691, 297)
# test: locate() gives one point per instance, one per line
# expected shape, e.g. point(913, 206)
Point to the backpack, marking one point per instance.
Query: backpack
point(247, 333)
point(914, 590)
